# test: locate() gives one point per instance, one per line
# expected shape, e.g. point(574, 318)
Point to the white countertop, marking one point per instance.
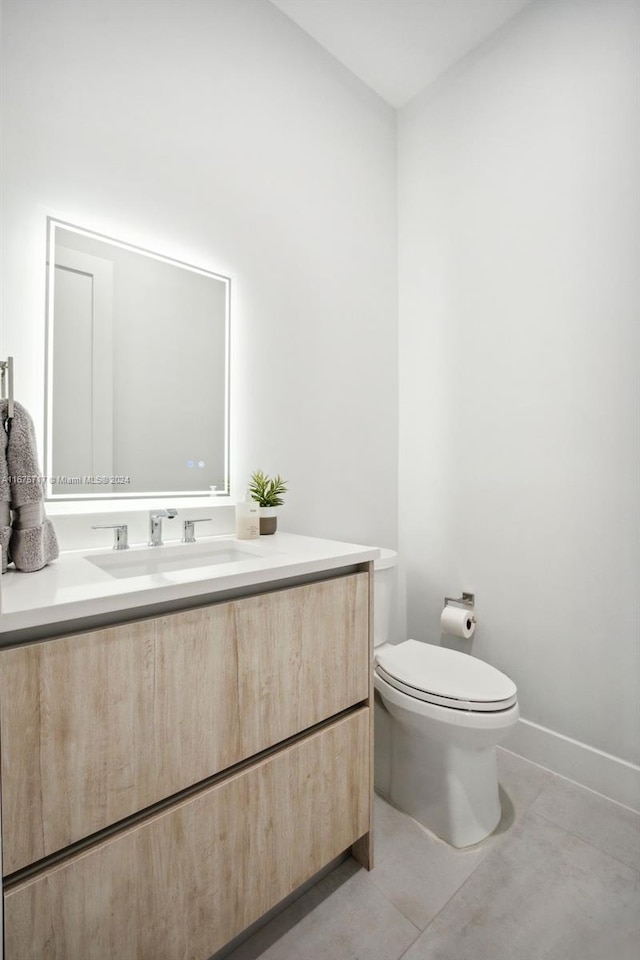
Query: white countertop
point(73, 588)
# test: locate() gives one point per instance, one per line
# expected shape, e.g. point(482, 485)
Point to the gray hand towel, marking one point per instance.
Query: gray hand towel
point(31, 539)
point(5, 490)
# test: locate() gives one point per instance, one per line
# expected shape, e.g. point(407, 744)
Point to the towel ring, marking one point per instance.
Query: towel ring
point(6, 375)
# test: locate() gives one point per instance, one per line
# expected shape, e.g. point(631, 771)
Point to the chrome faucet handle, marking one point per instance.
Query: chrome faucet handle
point(187, 529)
point(120, 534)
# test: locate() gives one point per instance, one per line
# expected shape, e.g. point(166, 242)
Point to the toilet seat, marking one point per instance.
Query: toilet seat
point(445, 677)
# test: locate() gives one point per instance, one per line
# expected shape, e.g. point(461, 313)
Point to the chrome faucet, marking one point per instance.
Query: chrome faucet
point(155, 525)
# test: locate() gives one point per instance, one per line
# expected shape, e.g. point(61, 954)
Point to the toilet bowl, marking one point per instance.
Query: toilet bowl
point(439, 716)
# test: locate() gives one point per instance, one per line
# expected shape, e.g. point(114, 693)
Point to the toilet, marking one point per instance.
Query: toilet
point(439, 715)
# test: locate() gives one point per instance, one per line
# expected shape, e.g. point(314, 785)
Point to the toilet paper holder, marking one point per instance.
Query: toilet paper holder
point(466, 600)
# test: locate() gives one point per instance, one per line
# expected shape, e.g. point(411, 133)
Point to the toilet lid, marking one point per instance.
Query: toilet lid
point(445, 677)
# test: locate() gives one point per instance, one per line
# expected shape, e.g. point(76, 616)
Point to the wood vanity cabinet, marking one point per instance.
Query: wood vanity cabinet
point(167, 781)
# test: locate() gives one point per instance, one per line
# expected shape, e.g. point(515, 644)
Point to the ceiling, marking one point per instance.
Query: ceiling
point(398, 47)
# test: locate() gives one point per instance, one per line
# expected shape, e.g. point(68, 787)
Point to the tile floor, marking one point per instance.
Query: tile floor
point(558, 880)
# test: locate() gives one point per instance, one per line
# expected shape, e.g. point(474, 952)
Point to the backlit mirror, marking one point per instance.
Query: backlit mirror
point(137, 372)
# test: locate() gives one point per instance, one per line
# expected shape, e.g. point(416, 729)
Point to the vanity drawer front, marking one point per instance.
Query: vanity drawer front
point(97, 726)
point(187, 880)
point(303, 656)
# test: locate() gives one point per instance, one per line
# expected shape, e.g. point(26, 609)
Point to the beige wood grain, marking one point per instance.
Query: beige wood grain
point(97, 726)
point(363, 849)
point(302, 657)
point(186, 881)
point(110, 722)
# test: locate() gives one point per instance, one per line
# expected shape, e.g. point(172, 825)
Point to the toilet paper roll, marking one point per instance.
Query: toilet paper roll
point(458, 621)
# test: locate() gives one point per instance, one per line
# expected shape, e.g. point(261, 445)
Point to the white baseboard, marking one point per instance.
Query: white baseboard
point(602, 772)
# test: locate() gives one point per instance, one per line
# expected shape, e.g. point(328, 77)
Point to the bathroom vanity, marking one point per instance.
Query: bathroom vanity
point(181, 750)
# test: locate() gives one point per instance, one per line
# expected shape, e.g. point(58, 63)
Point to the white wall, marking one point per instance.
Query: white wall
point(217, 133)
point(519, 387)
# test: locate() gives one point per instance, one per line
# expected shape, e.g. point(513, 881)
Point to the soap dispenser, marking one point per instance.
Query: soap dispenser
point(247, 519)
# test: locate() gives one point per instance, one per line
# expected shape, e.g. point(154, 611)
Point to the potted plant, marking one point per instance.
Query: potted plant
point(267, 492)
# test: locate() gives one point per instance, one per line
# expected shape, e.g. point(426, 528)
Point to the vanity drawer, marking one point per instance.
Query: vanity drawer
point(187, 880)
point(97, 726)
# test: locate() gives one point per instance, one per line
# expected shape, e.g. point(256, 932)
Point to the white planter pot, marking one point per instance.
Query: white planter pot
point(268, 520)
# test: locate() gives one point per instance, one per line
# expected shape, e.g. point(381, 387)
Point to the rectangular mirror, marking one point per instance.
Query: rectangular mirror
point(137, 378)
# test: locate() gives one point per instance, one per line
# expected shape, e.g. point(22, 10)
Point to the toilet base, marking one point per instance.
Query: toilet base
point(451, 791)
point(444, 777)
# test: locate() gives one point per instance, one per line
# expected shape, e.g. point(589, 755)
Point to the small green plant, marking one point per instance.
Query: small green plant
point(267, 491)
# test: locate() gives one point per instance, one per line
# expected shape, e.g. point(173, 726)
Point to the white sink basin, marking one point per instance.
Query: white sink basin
point(145, 561)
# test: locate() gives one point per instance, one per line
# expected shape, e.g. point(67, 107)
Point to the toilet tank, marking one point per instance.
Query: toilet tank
point(384, 594)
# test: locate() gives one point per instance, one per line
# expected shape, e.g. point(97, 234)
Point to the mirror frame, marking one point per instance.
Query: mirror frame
point(52, 224)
